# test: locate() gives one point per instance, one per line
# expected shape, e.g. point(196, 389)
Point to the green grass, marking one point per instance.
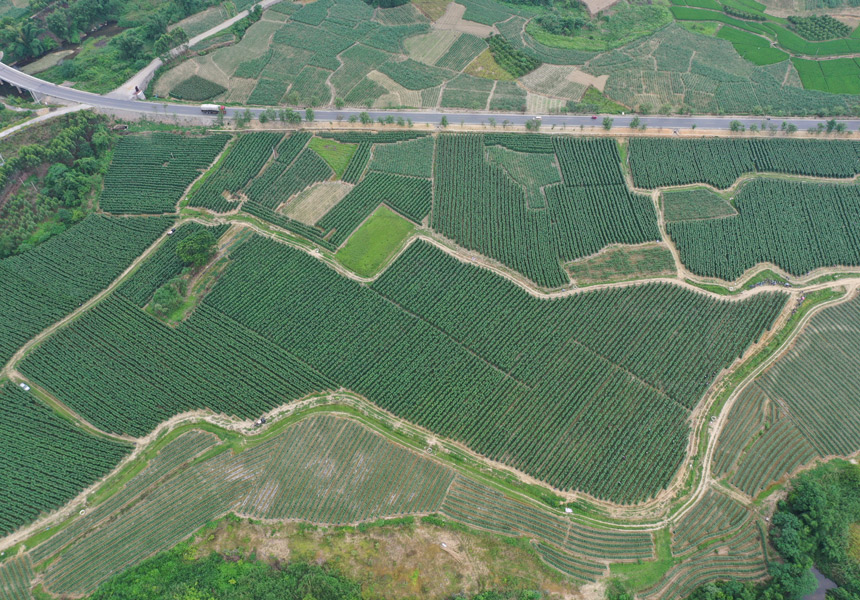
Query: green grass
point(336, 154)
point(695, 203)
point(644, 574)
point(375, 242)
point(622, 264)
point(837, 76)
point(701, 27)
point(627, 23)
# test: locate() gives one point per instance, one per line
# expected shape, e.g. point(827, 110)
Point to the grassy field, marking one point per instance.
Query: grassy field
point(621, 264)
point(375, 242)
point(336, 155)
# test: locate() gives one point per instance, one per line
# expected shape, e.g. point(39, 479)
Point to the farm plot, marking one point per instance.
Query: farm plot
point(695, 203)
point(330, 470)
point(467, 92)
point(149, 173)
point(16, 575)
point(741, 557)
point(413, 158)
point(624, 263)
point(477, 505)
point(46, 461)
point(375, 242)
point(508, 96)
point(480, 206)
point(814, 380)
point(462, 52)
point(42, 285)
point(816, 225)
point(197, 89)
point(661, 162)
point(423, 342)
point(243, 160)
point(310, 205)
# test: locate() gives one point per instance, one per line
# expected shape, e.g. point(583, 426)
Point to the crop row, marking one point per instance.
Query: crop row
point(44, 459)
point(781, 449)
point(713, 516)
point(660, 162)
point(149, 173)
point(168, 460)
point(481, 506)
point(16, 575)
point(243, 160)
point(42, 285)
point(745, 419)
point(798, 226)
point(358, 163)
point(413, 158)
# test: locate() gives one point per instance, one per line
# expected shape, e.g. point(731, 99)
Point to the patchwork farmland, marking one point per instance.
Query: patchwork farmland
point(538, 334)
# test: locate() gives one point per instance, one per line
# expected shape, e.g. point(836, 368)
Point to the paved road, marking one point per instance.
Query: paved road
point(15, 77)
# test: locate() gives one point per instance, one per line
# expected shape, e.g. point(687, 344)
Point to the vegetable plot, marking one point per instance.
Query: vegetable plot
point(797, 226)
point(45, 460)
point(149, 173)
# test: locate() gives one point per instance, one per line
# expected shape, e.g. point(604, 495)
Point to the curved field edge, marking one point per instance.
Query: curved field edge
point(454, 455)
point(540, 491)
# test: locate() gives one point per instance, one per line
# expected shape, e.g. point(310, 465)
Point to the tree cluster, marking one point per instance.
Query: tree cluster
point(812, 526)
point(78, 156)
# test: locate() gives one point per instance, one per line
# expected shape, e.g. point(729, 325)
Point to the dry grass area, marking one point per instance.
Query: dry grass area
point(453, 20)
point(397, 94)
point(398, 562)
point(542, 105)
point(313, 203)
point(430, 47)
point(558, 81)
point(595, 6)
point(486, 66)
point(433, 9)
point(854, 542)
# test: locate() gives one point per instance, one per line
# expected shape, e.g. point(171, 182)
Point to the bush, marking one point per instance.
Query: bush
point(197, 89)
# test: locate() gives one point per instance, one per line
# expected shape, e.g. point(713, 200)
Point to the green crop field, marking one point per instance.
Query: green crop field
point(149, 173)
point(46, 461)
point(41, 286)
point(458, 331)
point(726, 247)
point(403, 387)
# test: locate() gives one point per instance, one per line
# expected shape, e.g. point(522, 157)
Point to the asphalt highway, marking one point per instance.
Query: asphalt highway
point(565, 122)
